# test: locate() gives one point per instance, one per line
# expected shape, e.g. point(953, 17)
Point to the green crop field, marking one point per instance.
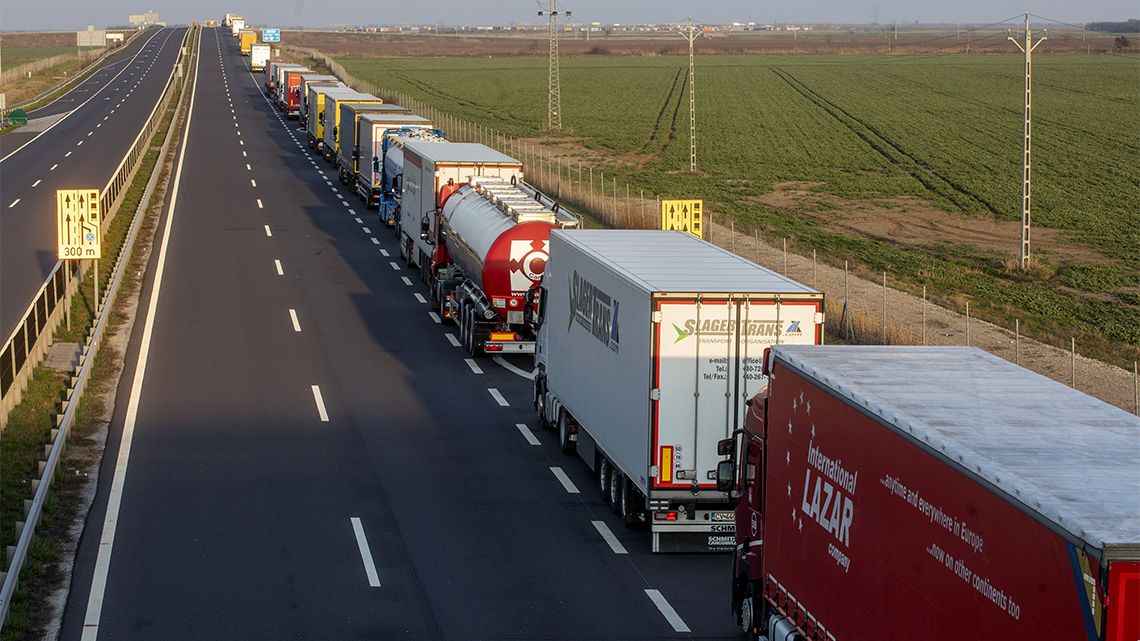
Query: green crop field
point(904, 163)
point(16, 56)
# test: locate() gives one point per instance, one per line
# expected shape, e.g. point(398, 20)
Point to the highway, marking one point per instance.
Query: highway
point(97, 121)
point(300, 451)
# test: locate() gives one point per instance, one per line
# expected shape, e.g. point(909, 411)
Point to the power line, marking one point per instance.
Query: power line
point(1026, 191)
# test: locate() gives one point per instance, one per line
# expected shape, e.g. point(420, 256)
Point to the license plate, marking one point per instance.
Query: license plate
point(723, 516)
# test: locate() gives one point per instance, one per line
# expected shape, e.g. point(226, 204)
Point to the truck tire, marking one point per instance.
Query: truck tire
point(604, 472)
point(752, 618)
point(630, 509)
point(617, 480)
point(568, 446)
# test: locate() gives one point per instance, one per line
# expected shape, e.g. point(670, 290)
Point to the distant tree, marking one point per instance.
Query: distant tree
point(1121, 43)
point(1128, 26)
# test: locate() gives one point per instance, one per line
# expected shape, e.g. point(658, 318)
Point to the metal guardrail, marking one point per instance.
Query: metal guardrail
point(34, 507)
point(28, 343)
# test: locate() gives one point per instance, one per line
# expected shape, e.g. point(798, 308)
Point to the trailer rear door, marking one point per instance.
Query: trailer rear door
point(708, 354)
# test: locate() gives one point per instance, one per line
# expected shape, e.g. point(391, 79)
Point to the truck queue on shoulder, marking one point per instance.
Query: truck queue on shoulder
point(865, 492)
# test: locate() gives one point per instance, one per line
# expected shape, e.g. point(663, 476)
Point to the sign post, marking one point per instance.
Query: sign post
point(79, 229)
point(683, 215)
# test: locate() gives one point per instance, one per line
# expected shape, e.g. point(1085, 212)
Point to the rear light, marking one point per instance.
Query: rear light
point(492, 348)
point(671, 515)
point(502, 336)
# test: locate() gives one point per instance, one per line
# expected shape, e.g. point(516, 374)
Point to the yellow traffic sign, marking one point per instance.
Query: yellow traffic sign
point(78, 223)
point(683, 215)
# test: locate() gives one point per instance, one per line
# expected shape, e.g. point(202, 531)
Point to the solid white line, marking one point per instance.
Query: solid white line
point(527, 434)
point(420, 297)
point(13, 203)
point(280, 269)
point(452, 339)
point(567, 484)
point(252, 182)
point(268, 232)
point(365, 553)
point(435, 319)
point(374, 240)
point(320, 404)
point(407, 281)
point(53, 167)
point(473, 365)
point(394, 266)
point(259, 205)
point(293, 317)
point(498, 397)
point(667, 611)
point(383, 252)
point(115, 496)
point(512, 369)
point(609, 537)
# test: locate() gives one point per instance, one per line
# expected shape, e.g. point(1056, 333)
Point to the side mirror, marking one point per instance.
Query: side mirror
point(425, 225)
point(725, 476)
point(726, 447)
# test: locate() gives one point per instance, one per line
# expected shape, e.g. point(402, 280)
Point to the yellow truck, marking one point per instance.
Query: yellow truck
point(332, 117)
point(248, 39)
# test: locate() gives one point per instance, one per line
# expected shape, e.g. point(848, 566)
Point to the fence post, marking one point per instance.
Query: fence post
point(732, 234)
point(785, 255)
point(1135, 390)
point(1073, 361)
point(924, 314)
point(1017, 341)
point(814, 268)
point(967, 323)
point(884, 307)
point(757, 234)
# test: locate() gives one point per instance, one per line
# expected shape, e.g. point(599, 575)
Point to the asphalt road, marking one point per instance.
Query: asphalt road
point(310, 457)
point(104, 114)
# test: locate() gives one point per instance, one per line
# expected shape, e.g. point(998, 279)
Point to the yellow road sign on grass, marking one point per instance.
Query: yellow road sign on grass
point(78, 223)
point(683, 215)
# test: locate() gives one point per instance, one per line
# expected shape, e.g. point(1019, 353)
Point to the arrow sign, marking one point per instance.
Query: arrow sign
point(78, 232)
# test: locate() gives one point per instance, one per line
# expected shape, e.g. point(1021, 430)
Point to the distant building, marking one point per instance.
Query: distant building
point(91, 37)
point(143, 19)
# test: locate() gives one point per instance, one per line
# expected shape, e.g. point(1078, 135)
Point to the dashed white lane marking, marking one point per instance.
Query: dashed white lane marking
point(98, 125)
point(37, 183)
point(259, 205)
point(495, 394)
point(473, 365)
point(359, 221)
point(667, 611)
point(53, 167)
point(247, 167)
point(420, 297)
point(244, 155)
point(527, 434)
point(608, 536)
point(452, 339)
point(567, 484)
point(241, 142)
point(79, 144)
point(407, 281)
point(366, 230)
point(280, 269)
point(14, 203)
point(434, 317)
point(252, 182)
point(365, 553)
point(293, 317)
point(383, 252)
point(352, 211)
point(67, 154)
point(90, 132)
point(267, 231)
point(394, 265)
point(374, 240)
point(512, 369)
point(320, 401)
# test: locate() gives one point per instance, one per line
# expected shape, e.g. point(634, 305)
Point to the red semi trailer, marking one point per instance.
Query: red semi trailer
point(931, 493)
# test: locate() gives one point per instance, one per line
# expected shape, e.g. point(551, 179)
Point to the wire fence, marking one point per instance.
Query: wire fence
point(29, 69)
point(861, 307)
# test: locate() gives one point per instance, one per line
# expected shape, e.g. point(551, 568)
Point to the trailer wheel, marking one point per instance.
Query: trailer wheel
point(617, 480)
point(568, 446)
point(630, 512)
point(604, 472)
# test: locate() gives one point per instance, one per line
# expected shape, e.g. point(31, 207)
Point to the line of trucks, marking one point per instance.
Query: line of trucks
point(864, 492)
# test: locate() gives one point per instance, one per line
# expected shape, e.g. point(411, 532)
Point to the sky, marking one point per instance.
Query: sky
point(77, 14)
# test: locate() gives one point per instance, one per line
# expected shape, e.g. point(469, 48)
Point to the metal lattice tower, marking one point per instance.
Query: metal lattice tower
point(1026, 191)
point(554, 90)
point(691, 33)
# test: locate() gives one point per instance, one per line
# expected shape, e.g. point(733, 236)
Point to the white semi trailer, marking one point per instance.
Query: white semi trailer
point(649, 345)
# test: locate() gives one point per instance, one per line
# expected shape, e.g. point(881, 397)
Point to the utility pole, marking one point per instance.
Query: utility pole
point(691, 33)
point(554, 85)
point(1026, 190)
